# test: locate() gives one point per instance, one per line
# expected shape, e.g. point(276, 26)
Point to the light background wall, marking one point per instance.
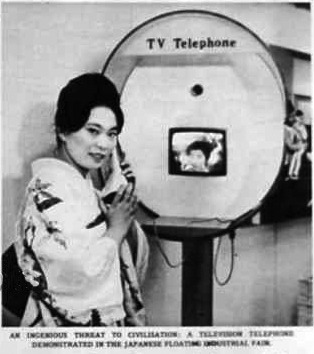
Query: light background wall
point(301, 82)
point(263, 290)
point(45, 44)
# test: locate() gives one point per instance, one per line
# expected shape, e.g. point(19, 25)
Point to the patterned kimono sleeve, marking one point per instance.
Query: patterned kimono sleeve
point(143, 254)
point(58, 248)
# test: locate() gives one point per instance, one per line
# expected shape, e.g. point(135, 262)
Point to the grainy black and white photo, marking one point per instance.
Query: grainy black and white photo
point(156, 172)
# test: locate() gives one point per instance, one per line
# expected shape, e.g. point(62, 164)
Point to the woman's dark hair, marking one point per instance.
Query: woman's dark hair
point(80, 96)
point(205, 146)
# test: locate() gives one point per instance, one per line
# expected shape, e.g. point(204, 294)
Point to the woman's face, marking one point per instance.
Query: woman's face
point(197, 160)
point(90, 146)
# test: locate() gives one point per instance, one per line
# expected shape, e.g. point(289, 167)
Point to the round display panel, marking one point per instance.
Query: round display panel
point(204, 107)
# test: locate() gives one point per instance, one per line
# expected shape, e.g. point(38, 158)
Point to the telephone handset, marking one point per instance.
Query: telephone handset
point(119, 170)
point(116, 172)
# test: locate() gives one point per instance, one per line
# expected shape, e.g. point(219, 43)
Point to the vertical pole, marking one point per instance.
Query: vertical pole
point(197, 282)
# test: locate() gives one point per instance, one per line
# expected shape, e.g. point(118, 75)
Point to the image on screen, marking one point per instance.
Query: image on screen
point(197, 151)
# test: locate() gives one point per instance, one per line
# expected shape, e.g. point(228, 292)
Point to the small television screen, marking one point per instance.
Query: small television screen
point(197, 152)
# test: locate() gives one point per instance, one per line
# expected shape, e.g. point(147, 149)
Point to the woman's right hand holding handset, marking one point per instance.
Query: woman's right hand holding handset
point(120, 213)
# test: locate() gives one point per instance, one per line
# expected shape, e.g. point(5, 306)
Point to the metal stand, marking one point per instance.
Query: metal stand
point(197, 283)
point(197, 272)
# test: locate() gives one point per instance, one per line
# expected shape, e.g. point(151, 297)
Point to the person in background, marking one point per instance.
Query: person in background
point(300, 138)
point(197, 156)
point(72, 244)
point(291, 144)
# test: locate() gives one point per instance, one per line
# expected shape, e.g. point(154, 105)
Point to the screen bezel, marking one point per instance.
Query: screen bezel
point(172, 131)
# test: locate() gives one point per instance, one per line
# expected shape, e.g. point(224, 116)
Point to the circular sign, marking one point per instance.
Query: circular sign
point(204, 108)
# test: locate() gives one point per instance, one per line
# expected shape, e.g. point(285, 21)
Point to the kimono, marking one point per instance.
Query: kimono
point(78, 276)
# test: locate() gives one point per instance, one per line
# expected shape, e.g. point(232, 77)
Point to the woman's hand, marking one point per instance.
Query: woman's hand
point(120, 213)
point(31, 276)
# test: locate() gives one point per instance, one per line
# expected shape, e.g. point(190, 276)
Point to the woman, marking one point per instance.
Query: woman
point(72, 246)
point(293, 146)
point(301, 137)
point(198, 153)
